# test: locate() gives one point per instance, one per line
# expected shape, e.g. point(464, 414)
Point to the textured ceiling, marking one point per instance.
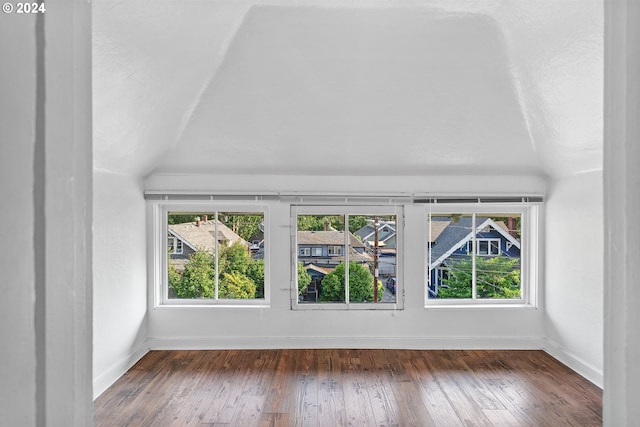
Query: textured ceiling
point(348, 87)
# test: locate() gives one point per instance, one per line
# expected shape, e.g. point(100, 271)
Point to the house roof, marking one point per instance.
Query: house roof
point(386, 229)
point(354, 256)
point(327, 238)
point(365, 231)
point(202, 236)
point(454, 234)
point(437, 227)
point(314, 267)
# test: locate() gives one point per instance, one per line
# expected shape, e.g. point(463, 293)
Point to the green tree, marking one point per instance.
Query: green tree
point(234, 258)
point(236, 285)
point(360, 284)
point(198, 279)
point(356, 222)
point(334, 222)
point(180, 218)
point(244, 225)
point(317, 222)
point(496, 277)
point(255, 272)
point(303, 278)
point(236, 261)
point(174, 280)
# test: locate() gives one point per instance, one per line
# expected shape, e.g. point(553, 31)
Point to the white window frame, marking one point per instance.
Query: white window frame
point(529, 253)
point(334, 250)
point(397, 210)
point(305, 252)
point(178, 248)
point(316, 251)
point(160, 211)
point(488, 241)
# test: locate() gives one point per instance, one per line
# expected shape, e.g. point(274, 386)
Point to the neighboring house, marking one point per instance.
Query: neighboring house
point(186, 238)
point(386, 244)
point(453, 239)
point(256, 241)
point(321, 251)
point(386, 234)
point(326, 249)
point(313, 289)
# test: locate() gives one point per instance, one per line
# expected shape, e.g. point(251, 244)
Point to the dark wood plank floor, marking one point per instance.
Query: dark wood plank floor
point(349, 387)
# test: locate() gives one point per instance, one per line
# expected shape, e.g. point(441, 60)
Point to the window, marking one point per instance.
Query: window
point(335, 250)
point(488, 247)
point(305, 251)
point(357, 270)
point(174, 246)
point(209, 257)
point(500, 269)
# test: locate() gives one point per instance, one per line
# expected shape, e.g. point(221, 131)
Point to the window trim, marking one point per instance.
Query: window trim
point(304, 251)
point(334, 250)
point(317, 209)
point(529, 246)
point(488, 241)
point(177, 245)
point(159, 274)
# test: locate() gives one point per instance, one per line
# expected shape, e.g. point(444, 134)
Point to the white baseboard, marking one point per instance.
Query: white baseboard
point(107, 378)
point(575, 363)
point(417, 343)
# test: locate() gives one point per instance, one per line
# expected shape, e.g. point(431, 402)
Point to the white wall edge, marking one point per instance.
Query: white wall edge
point(575, 363)
point(103, 381)
point(408, 343)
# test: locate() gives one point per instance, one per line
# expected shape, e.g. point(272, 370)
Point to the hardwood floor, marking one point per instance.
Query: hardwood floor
point(349, 387)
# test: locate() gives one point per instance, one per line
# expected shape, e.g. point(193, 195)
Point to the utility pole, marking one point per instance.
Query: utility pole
point(375, 259)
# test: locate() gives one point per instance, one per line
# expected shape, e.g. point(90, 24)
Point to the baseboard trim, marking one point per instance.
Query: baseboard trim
point(103, 381)
point(575, 363)
point(417, 343)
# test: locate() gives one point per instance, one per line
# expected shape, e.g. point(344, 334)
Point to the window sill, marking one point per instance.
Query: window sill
point(171, 306)
point(482, 306)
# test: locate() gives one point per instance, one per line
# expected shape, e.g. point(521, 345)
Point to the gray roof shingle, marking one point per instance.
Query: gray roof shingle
point(327, 238)
point(202, 237)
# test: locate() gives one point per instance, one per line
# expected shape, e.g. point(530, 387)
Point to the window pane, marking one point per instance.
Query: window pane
point(498, 269)
point(483, 247)
point(494, 265)
point(321, 272)
point(372, 246)
point(450, 249)
point(213, 259)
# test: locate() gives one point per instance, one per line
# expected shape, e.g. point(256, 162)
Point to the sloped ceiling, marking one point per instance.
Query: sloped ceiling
point(348, 87)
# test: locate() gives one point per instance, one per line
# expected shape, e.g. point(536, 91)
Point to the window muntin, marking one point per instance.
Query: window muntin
point(218, 264)
point(345, 276)
point(174, 245)
point(335, 250)
point(494, 272)
point(488, 247)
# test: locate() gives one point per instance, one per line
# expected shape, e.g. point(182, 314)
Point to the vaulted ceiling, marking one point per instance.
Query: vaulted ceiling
point(348, 87)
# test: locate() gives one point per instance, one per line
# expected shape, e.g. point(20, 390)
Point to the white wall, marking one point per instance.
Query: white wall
point(17, 121)
point(120, 265)
point(278, 326)
point(574, 270)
